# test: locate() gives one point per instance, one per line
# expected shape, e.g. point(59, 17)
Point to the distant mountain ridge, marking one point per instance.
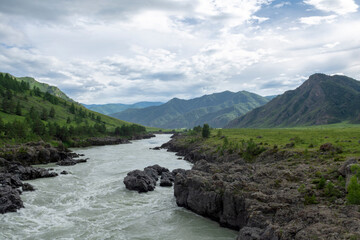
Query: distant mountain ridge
point(111, 108)
point(215, 109)
point(321, 99)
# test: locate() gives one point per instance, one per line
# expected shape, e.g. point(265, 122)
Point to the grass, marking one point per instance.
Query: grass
point(345, 136)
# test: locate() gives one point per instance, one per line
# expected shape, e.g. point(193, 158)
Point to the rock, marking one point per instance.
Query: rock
point(343, 170)
point(10, 180)
point(178, 170)
point(29, 173)
point(151, 172)
point(159, 169)
point(10, 200)
point(156, 148)
point(249, 233)
point(64, 172)
point(71, 162)
point(28, 187)
point(139, 181)
point(167, 179)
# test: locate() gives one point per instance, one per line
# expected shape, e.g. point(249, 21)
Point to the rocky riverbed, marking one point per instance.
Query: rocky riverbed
point(272, 197)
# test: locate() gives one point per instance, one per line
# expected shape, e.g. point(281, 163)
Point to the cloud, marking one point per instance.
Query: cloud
point(315, 20)
point(130, 51)
point(340, 7)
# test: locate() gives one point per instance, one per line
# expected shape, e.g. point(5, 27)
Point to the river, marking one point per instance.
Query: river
point(92, 202)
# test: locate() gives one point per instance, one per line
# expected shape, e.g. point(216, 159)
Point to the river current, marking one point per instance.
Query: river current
point(91, 202)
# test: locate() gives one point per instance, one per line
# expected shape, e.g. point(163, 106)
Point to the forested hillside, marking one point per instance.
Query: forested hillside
point(30, 113)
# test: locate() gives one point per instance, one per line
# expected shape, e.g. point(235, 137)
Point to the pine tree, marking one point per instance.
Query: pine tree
point(18, 109)
point(44, 114)
point(205, 131)
point(72, 108)
point(52, 112)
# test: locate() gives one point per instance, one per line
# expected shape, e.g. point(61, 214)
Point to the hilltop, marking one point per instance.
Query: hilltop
point(321, 99)
point(215, 109)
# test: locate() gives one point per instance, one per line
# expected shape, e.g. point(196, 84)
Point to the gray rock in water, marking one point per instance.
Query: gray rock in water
point(10, 200)
point(139, 181)
point(151, 172)
point(28, 187)
point(167, 179)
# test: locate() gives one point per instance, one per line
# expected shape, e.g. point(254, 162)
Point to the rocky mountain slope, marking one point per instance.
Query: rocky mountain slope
point(216, 109)
point(322, 99)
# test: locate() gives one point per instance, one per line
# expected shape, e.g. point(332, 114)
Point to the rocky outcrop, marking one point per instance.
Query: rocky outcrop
point(15, 167)
point(144, 181)
point(271, 197)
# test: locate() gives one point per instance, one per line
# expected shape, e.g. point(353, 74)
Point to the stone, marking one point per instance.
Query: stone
point(139, 181)
point(10, 200)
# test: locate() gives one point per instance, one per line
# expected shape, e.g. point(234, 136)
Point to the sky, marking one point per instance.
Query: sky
point(126, 51)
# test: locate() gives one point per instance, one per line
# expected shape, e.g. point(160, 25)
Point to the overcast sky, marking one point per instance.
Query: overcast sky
point(125, 51)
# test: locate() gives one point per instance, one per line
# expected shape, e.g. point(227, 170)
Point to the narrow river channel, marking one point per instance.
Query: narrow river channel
point(92, 202)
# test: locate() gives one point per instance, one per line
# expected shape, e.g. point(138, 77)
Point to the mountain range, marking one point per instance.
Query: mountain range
point(322, 99)
point(215, 109)
point(111, 108)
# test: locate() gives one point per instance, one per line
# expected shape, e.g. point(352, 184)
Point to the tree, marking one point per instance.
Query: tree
point(52, 112)
point(72, 108)
point(18, 109)
point(68, 120)
point(44, 114)
point(205, 131)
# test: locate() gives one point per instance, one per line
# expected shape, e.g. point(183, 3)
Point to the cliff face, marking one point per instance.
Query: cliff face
point(264, 199)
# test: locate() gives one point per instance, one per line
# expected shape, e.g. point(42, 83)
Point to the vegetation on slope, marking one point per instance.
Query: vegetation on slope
point(320, 100)
point(216, 109)
point(28, 114)
point(111, 108)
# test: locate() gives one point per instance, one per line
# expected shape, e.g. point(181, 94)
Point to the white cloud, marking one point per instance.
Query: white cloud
point(128, 51)
point(315, 20)
point(282, 4)
point(340, 7)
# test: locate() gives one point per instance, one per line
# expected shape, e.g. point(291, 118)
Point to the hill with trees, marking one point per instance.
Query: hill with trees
point(321, 99)
point(216, 109)
point(32, 113)
point(111, 108)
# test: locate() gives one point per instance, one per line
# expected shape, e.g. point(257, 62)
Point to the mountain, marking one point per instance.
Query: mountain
point(29, 114)
point(45, 87)
point(321, 99)
point(111, 108)
point(216, 109)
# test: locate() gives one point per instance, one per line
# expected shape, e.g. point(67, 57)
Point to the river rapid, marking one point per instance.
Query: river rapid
point(91, 202)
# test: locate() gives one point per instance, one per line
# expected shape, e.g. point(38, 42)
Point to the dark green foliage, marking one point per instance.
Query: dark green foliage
point(353, 189)
point(18, 109)
point(72, 108)
point(205, 131)
point(44, 114)
point(310, 199)
point(321, 183)
point(250, 150)
point(331, 191)
point(52, 112)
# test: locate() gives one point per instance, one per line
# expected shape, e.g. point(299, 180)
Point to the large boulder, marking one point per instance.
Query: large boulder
point(10, 200)
point(139, 181)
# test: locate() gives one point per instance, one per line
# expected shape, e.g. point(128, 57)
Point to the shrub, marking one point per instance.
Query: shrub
point(353, 189)
point(205, 131)
point(321, 183)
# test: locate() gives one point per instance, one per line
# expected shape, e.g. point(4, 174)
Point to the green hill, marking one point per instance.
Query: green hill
point(45, 88)
point(28, 114)
point(216, 109)
point(118, 107)
point(322, 99)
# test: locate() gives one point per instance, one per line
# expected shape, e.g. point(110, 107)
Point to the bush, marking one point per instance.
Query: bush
point(353, 189)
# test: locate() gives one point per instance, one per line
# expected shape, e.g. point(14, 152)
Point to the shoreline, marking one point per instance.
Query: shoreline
point(261, 199)
point(16, 165)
